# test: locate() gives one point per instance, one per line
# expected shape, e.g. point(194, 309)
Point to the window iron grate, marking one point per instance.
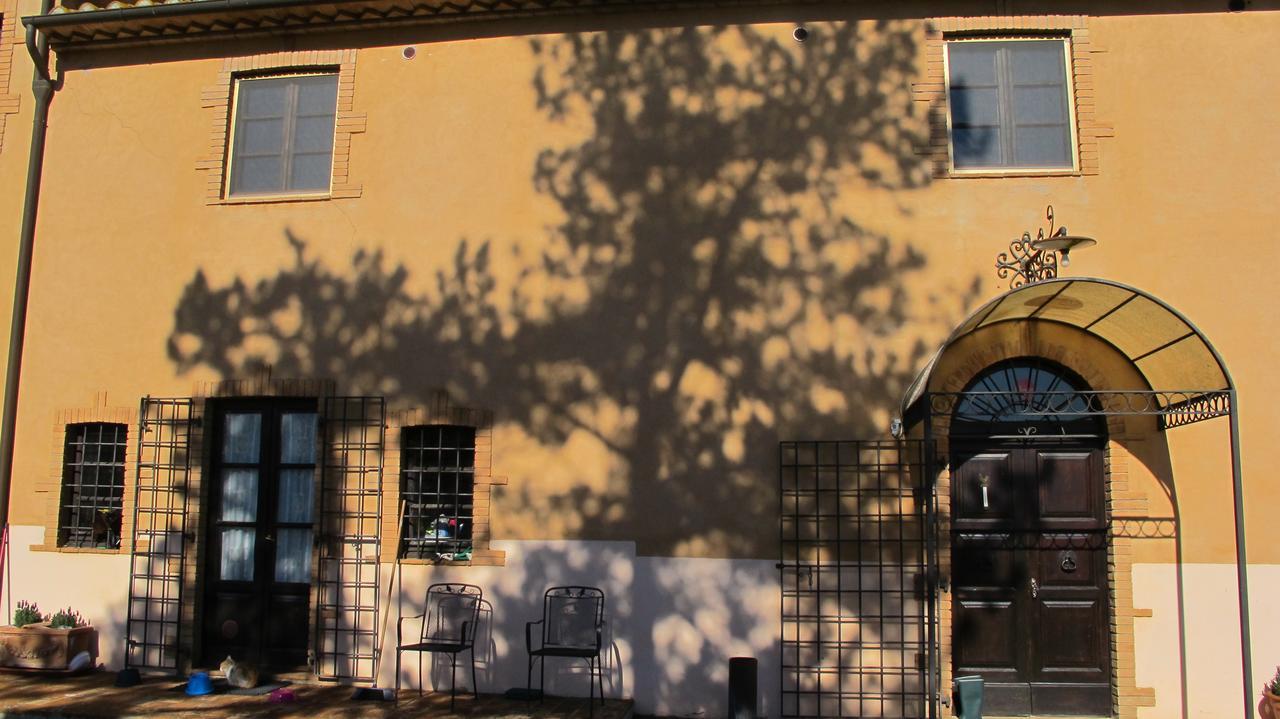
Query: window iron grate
point(92, 485)
point(437, 486)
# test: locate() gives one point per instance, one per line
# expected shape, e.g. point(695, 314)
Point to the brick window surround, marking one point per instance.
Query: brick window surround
point(931, 90)
point(9, 38)
point(217, 98)
point(441, 411)
point(51, 487)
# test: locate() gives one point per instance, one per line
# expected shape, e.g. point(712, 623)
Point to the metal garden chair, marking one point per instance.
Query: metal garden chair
point(448, 626)
point(572, 627)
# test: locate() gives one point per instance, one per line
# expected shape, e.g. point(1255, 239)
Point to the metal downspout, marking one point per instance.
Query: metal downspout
point(1242, 565)
point(43, 85)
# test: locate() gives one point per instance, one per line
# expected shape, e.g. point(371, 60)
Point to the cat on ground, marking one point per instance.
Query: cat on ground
point(241, 675)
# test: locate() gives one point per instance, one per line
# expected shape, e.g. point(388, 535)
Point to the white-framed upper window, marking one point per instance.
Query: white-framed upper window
point(1010, 104)
point(282, 134)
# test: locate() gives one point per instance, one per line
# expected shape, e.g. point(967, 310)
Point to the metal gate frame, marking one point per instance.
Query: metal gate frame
point(158, 557)
point(353, 433)
point(858, 588)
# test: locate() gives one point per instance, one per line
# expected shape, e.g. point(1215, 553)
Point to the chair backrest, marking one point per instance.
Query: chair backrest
point(573, 617)
point(453, 611)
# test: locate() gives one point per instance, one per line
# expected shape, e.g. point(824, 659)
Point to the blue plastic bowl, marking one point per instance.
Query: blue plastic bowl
point(199, 684)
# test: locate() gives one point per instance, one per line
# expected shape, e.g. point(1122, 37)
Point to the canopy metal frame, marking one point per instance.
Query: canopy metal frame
point(1170, 407)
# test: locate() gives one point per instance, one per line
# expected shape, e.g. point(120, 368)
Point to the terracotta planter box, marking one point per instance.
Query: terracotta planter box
point(37, 646)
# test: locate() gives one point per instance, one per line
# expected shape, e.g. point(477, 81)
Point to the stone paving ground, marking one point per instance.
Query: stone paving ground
point(92, 696)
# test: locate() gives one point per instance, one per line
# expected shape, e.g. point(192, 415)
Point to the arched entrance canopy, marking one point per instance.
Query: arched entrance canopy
point(1186, 377)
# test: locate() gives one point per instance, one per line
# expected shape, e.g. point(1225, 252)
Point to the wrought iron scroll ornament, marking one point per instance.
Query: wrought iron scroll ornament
point(1024, 264)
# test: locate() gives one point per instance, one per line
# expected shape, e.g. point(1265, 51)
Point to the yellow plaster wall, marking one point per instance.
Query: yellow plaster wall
point(649, 314)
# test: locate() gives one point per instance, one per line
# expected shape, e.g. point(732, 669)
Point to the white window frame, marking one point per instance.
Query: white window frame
point(1071, 107)
point(231, 137)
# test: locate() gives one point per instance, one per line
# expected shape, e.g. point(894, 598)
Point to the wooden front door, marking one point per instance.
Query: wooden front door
point(260, 534)
point(1030, 577)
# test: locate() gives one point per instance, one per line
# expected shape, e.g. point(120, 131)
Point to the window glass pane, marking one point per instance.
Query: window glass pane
point(972, 63)
point(297, 494)
point(980, 106)
point(1035, 62)
point(257, 174)
point(1043, 146)
point(976, 147)
point(237, 554)
point(1039, 104)
point(260, 137)
point(313, 134)
point(317, 94)
point(310, 172)
point(298, 438)
point(263, 98)
point(293, 556)
point(239, 495)
point(241, 436)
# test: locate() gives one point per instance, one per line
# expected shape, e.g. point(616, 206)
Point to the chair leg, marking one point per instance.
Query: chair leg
point(542, 680)
point(529, 678)
point(453, 679)
point(422, 679)
point(591, 699)
point(600, 677)
point(475, 686)
point(398, 674)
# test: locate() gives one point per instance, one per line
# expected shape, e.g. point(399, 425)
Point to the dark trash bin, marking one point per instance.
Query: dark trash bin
point(969, 697)
point(743, 673)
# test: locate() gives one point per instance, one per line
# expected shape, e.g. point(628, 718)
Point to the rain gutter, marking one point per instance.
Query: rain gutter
point(46, 21)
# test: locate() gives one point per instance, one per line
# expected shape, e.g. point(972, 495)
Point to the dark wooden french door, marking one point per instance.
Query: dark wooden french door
point(260, 532)
point(1030, 601)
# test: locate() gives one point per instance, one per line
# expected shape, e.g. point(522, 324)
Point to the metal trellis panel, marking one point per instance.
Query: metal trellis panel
point(857, 557)
point(350, 518)
point(165, 428)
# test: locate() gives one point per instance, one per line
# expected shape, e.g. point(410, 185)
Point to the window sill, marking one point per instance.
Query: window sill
point(271, 199)
point(488, 558)
point(994, 173)
point(73, 550)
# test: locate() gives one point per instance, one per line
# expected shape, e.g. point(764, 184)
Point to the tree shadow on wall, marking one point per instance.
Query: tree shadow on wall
point(708, 292)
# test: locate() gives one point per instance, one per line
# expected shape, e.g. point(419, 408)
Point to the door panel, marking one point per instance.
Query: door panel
point(1070, 489)
point(258, 572)
point(1029, 566)
point(986, 493)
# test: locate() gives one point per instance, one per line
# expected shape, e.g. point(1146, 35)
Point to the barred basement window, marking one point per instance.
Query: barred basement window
point(92, 485)
point(436, 484)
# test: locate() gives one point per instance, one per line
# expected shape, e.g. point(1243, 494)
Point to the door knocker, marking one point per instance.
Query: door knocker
point(985, 481)
point(1068, 562)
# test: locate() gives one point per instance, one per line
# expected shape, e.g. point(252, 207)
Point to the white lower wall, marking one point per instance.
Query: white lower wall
point(1189, 649)
point(96, 585)
point(674, 623)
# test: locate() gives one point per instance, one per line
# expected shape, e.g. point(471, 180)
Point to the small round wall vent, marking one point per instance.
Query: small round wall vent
point(800, 34)
point(409, 52)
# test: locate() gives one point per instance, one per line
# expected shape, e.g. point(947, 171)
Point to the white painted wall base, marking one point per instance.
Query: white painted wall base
point(674, 623)
point(1189, 649)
